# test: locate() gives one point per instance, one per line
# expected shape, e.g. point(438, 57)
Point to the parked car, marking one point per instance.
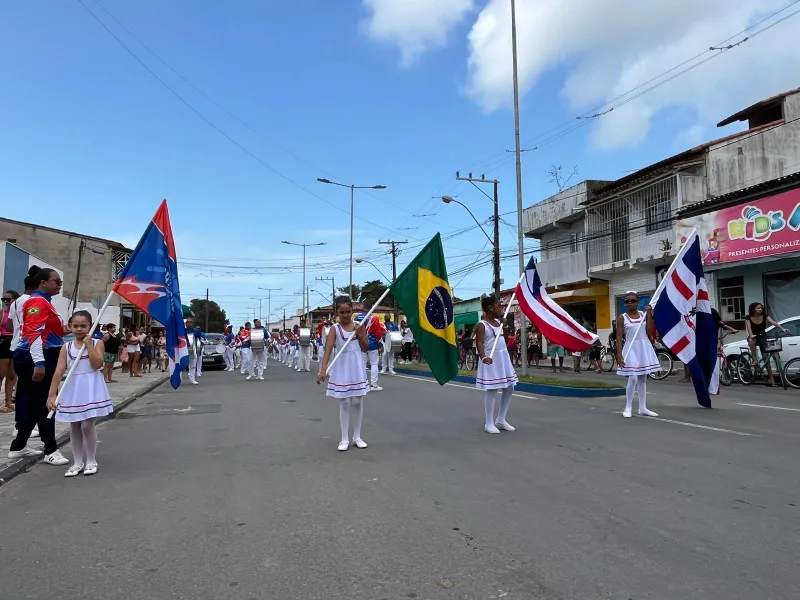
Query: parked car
point(790, 341)
point(212, 358)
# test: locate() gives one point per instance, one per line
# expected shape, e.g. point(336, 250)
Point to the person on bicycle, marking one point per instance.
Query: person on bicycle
point(756, 323)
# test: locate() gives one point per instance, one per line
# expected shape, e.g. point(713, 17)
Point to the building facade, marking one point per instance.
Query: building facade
point(91, 261)
point(559, 223)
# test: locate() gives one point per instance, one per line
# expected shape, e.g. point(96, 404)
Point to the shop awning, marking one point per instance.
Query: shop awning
point(582, 293)
point(469, 318)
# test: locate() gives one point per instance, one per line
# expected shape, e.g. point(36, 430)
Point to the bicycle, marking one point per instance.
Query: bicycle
point(791, 372)
point(749, 370)
point(665, 359)
point(608, 357)
point(725, 367)
point(468, 360)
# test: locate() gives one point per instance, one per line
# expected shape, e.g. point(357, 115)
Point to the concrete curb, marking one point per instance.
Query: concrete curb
point(22, 465)
point(535, 388)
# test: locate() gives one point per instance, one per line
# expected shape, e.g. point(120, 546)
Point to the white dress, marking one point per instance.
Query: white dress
point(348, 376)
point(642, 359)
point(500, 374)
point(86, 396)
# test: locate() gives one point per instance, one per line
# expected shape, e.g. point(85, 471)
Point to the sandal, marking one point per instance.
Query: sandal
point(6, 409)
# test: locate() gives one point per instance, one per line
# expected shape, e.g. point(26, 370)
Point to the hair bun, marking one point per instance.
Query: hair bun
point(34, 270)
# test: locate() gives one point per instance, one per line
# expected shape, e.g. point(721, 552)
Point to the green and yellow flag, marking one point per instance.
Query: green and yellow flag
point(425, 296)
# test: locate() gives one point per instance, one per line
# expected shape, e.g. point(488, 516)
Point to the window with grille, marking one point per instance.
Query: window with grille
point(575, 242)
point(658, 213)
point(731, 301)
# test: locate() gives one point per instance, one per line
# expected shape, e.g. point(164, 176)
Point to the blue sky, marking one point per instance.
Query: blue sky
point(91, 141)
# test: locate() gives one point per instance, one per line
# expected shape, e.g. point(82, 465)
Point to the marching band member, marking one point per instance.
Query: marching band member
point(294, 343)
point(388, 355)
point(195, 359)
point(322, 335)
point(495, 373)
point(375, 332)
point(244, 338)
point(229, 346)
point(348, 381)
point(258, 358)
point(304, 352)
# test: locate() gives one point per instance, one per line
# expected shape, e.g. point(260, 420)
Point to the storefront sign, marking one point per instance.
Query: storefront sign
point(765, 227)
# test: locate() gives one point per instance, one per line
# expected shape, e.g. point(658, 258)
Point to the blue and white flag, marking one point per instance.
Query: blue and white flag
point(682, 315)
point(150, 282)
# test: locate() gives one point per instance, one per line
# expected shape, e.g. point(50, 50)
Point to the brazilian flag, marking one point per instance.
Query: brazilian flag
point(425, 296)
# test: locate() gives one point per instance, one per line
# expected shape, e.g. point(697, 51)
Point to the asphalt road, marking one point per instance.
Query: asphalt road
point(243, 496)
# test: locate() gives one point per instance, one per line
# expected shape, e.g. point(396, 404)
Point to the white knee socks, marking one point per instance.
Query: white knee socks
point(76, 441)
point(89, 441)
point(636, 384)
point(347, 407)
point(505, 404)
point(488, 407)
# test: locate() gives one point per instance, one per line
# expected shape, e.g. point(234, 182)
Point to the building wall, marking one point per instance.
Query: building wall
point(62, 249)
point(762, 156)
point(556, 243)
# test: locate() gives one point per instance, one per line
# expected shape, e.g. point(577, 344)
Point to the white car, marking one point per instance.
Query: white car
point(790, 341)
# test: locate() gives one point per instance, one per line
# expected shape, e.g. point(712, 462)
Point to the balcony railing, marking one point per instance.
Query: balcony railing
point(563, 270)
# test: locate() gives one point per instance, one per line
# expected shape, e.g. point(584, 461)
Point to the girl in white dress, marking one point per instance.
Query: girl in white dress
point(496, 373)
point(641, 358)
point(348, 376)
point(85, 398)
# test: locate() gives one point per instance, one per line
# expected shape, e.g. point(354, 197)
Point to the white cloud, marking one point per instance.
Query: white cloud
point(414, 26)
point(690, 137)
point(609, 47)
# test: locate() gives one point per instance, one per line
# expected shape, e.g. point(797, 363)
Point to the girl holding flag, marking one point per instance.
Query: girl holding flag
point(637, 359)
point(494, 372)
point(348, 376)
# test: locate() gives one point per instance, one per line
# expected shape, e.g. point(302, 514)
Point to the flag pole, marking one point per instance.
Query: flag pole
point(505, 315)
point(52, 413)
point(364, 320)
point(660, 288)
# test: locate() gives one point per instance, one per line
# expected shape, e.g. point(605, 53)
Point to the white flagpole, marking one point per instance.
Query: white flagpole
point(52, 413)
point(505, 315)
point(660, 289)
point(363, 321)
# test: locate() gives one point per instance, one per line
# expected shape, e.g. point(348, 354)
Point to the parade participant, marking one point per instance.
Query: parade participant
point(230, 343)
point(637, 359)
point(244, 340)
point(35, 362)
point(388, 355)
point(195, 359)
point(304, 352)
point(258, 358)
point(323, 328)
point(495, 372)
point(6, 356)
point(408, 340)
point(111, 349)
point(295, 347)
point(375, 332)
point(348, 380)
point(86, 398)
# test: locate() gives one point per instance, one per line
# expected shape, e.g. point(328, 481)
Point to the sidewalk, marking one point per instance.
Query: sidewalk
point(125, 391)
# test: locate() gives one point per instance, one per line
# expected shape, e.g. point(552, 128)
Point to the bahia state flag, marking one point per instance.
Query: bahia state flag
point(149, 281)
point(425, 296)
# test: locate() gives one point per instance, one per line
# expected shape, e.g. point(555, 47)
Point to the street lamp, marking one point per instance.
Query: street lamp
point(364, 260)
point(304, 246)
point(494, 242)
point(353, 189)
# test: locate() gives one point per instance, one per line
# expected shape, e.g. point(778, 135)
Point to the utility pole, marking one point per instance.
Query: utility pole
point(284, 319)
point(269, 300)
point(518, 154)
point(496, 243)
point(206, 310)
point(333, 291)
point(394, 252)
point(76, 289)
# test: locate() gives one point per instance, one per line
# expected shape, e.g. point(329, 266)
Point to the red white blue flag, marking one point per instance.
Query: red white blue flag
point(149, 281)
point(682, 315)
point(550, 319)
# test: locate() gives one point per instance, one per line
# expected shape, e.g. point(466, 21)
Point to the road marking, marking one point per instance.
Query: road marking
point(772, 407)
point(466, 387)
point(695, 425)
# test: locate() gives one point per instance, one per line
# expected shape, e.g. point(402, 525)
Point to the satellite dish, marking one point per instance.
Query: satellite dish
point(97, 301)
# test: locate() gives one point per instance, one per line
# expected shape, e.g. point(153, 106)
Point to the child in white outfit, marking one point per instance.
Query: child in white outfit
point(86, 396)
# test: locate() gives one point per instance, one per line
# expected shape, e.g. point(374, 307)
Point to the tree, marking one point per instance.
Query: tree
point(557, 176)
point(345, 291)
point(217, 320)
point(373, 290)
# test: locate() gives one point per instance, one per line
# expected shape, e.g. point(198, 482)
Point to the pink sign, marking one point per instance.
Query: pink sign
point(765, 227)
